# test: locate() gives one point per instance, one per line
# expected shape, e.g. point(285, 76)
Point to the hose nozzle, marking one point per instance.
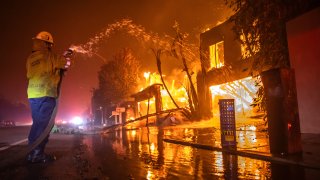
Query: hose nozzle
point(69, 52)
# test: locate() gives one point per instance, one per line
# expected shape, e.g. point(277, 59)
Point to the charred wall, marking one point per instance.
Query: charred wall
point(234, 68)
point(222, 32)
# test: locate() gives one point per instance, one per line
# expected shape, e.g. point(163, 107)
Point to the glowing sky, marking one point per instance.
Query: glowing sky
point(74, 22)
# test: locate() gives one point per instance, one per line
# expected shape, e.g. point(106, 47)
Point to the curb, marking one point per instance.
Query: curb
point(275, 159)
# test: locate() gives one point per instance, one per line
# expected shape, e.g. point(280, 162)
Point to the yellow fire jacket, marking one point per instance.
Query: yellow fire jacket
point(43, 73)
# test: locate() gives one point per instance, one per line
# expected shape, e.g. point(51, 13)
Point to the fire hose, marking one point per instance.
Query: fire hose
point(12, 159)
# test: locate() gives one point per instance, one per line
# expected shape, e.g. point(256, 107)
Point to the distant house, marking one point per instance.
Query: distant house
point(141, 109)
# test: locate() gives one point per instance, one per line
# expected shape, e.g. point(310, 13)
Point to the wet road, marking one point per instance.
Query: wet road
point(13, 135)
point(141, 153)
point(148, 157)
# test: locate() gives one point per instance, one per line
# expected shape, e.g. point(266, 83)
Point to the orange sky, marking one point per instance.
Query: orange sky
point(74, 22)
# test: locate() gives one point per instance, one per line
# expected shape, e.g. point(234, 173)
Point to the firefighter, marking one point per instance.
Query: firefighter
point(44, 74)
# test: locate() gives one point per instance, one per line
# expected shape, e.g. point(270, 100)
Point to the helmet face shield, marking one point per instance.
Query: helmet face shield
point(44, 36)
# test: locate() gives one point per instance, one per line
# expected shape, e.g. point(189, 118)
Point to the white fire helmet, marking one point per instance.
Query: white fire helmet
point(44, 36)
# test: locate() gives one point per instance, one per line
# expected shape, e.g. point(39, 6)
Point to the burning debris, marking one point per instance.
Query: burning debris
point(178, 90)
point(177, 94)
point(243, 91)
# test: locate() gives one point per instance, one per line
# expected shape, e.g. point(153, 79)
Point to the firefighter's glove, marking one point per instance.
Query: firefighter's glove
point(68, 54)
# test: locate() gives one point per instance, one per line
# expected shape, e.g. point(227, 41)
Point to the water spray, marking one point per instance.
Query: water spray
point(81, 50)
point(136, 31)
point(78, 49)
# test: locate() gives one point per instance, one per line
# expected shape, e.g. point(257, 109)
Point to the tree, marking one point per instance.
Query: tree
point(118, 78)
point(187, 54)
point(260, 26)
point(157, 54)
point(179, 51)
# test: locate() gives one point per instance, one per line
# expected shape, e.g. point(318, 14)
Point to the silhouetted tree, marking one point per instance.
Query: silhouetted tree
point(179, 51)
point(260, 26)
point(117, 79)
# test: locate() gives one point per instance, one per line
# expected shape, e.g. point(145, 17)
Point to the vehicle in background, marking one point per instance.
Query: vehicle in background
point(7, 124)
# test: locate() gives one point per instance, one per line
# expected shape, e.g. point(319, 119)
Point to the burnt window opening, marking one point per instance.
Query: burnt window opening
point(216, 52)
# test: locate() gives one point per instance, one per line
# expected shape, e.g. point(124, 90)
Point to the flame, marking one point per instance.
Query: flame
point(149, 40)
point(147, 76)
point(243, 91)
point(177, 90)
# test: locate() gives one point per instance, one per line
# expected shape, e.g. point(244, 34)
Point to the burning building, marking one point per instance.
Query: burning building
point(153, 102)
point(225, 74)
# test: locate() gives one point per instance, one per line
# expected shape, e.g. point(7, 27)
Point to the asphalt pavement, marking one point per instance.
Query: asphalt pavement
point(142, 154)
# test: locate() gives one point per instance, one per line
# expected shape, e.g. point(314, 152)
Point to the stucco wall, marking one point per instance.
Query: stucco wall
point(303, 35)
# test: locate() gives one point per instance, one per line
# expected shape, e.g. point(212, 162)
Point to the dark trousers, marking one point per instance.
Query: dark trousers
point(41, 109)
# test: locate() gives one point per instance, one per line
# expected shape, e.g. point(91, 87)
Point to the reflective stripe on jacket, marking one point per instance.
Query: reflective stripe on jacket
point(43, 73)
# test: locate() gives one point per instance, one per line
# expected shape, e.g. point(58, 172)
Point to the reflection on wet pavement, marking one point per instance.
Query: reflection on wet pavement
point(149, 157)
